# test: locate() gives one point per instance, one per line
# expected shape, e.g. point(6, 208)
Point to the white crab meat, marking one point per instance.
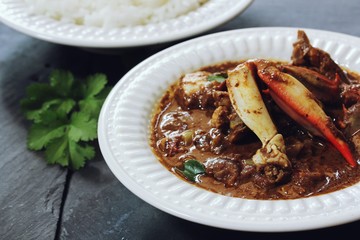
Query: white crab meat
point(193, 82)
point(248, 104)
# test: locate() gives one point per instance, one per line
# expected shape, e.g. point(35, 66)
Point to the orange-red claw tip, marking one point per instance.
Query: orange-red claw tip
point(353, 163)
point(337, 79)
point(350, 159)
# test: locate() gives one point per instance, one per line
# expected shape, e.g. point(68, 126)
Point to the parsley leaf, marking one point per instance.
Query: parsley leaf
point(93, 92)
point(58, 152)
point(64, 115)
point(192, 169)
point(65, 151)
point(82, 127)
point(40, 135)
point(80, 152)
point(62, 82)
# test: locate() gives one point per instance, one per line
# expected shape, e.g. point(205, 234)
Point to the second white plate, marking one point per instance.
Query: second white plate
point(15, 13)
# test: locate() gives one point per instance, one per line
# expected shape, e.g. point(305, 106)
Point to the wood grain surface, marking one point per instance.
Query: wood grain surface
point(38, 201)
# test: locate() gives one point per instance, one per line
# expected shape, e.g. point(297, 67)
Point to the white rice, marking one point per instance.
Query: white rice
point(113, 13)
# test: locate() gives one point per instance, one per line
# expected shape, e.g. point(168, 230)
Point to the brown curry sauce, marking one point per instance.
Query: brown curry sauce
point(317, 167)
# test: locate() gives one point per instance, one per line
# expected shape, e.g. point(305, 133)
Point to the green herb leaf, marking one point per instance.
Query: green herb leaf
point(192, 169)
point(40, 96)
point(82, 127)
point(217, 78)
point(64, 115)
point(57, 151)
point(94, 93)
point(41, 135)
point(79, 153)
point(92, 105)
point(93, 85)
point(62, 82)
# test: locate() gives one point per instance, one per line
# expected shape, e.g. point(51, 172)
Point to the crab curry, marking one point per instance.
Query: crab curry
point(262, 129)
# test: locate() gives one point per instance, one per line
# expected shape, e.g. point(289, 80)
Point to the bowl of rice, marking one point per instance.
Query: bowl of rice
point(117, 23)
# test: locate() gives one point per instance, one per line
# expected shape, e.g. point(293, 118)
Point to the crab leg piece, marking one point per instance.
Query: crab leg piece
point(247, 101)
point(301, 105)
point(304, 54)
point(323, 88)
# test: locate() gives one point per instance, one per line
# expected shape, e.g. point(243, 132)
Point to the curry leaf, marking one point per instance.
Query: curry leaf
point(218, 78)
point(192, 169)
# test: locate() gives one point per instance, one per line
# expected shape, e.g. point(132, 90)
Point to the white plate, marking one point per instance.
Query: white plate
point(124, 132)
point(15, 14)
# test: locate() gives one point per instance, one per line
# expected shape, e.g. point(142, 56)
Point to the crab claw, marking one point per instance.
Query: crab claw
point(305, 54)
point(301, 105)
point(324, 89)
point(248, 104)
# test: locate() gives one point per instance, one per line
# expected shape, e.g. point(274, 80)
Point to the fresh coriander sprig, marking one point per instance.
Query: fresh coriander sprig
point(64, 115)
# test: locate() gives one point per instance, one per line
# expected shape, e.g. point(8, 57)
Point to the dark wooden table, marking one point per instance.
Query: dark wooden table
point(38, 201)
